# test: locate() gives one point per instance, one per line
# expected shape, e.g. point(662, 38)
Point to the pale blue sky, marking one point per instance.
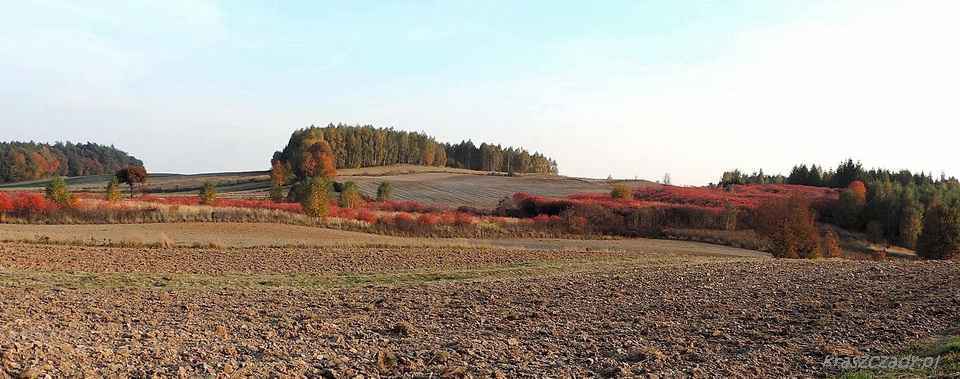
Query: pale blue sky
point(628, 88)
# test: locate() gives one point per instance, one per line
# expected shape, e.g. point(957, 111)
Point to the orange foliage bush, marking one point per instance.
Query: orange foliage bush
point(26, 204)
point(789, 225)
point(428, 219)
point(859, 191)
point(463, 219)
point(366, 216)
point(319, 160)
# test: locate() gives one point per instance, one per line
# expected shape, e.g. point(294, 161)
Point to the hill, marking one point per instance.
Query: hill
point(24, 161)
point(429, 185)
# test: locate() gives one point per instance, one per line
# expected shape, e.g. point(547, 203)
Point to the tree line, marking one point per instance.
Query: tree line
point(368, 146)
point(846, 172)
point(892, 207)
point(21, 161)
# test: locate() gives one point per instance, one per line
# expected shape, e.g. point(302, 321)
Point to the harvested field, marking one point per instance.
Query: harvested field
point(139, 312)
point(279, 235)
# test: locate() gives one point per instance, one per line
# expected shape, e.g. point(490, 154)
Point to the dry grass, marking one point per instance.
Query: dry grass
point(279, 235)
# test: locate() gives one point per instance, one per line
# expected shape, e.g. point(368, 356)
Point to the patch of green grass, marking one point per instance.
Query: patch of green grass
point(78, 280)
point(947, 350)
point(948, 346)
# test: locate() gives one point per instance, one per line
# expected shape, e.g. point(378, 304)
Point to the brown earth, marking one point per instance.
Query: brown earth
point(66, 311)
point(315, 261)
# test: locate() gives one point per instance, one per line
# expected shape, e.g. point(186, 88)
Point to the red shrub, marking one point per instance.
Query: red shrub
point(448, 218)
point(6, 205)
point(463, 219)
point(387, 219)
point(545, 219)
point(29, 203)
point(367, 216)
point(405, 221)
point(406, 206)
point(428, 219)
point(348, 213)
point(740, 196)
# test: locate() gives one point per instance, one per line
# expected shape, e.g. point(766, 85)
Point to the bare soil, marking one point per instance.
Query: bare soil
point(443, 312)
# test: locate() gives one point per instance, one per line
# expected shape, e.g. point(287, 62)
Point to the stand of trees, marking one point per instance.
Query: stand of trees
point(846, 172)
point(367, 146)
point(913, 210)
point(21, 161)
point(489, 157)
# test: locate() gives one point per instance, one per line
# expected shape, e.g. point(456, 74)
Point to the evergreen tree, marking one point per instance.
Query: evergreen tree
point(384, 191)
point(940, 238)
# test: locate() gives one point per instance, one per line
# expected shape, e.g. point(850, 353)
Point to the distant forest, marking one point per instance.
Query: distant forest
point(367, 146)
point(20, 161)
point(887, 205)
point(846, 172)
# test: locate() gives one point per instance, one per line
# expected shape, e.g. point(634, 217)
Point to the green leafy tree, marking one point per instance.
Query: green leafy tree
point(384, 191)
point(112, 193)
point(315, 196)
point(350, 196)
point(208, 194)
point(940, 238)
point(57, 192)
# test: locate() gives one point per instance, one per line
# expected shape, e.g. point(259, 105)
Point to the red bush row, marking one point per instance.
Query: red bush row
point(741, 196)
point(405, 219)
point(25, 203)
point(406, 206)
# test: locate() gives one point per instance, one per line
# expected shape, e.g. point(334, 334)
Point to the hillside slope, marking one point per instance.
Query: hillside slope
point(430, 185)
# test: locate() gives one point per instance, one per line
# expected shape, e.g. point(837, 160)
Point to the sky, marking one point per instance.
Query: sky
point(621, 88)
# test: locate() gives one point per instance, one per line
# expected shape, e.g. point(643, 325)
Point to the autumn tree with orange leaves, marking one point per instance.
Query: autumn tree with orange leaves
point(788, 224)
point(318, 160)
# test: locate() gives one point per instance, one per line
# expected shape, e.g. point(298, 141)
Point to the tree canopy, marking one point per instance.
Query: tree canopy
point(21, 161)
point(366, 146)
